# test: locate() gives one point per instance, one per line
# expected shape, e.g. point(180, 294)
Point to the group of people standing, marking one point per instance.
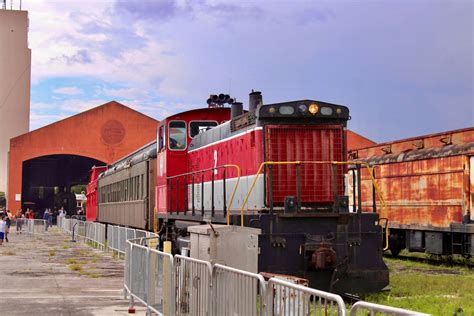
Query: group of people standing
point(7, 218)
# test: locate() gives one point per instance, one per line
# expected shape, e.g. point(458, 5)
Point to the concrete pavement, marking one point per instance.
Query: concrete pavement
point(49, 275)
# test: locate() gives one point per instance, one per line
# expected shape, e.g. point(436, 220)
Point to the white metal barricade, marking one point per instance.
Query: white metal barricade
point(193, 285)
point(366, 308)
point(289, 299)
point(180, 285)
point(237, 292)
point(36, 226)
point(148, 277)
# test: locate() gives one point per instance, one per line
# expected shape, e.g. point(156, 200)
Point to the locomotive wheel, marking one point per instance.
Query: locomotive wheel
point(395, 248)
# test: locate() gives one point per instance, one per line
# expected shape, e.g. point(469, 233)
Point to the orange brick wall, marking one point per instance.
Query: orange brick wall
point(106, 133)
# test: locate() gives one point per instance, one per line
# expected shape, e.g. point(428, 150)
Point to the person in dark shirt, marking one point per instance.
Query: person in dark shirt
point(46, 216)
point(8, 222)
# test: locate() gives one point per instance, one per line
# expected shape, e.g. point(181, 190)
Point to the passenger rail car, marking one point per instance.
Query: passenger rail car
point(276, 167)
point(126, 190)
point(428, 185)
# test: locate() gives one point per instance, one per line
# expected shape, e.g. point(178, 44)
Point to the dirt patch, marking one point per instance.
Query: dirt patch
point(426, 271)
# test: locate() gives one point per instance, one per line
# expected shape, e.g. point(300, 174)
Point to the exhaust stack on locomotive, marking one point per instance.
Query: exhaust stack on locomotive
point(255, 99)
point(236, 109)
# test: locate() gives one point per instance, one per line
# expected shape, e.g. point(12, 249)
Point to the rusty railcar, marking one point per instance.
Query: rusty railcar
point(428, 186)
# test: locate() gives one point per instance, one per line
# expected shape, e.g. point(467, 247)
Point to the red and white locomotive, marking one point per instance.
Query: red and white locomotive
point(277, 167)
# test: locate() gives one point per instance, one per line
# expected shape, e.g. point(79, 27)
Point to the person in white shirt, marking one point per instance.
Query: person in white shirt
point(3, 225)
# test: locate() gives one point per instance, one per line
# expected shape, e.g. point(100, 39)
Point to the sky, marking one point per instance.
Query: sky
point(404, 68)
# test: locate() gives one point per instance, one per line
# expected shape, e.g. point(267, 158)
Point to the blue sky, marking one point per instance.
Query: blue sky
point(404, 68)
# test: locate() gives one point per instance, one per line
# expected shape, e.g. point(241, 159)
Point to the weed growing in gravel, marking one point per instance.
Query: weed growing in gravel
point(8, 253)
point(89, 274)
point(52, 253)
point(71, 261)
point(75, 267)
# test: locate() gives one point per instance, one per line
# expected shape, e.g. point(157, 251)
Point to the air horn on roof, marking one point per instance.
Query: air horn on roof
point(218, 100)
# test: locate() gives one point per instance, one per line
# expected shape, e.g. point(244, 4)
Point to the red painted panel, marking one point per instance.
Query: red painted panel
point(92, 193)
point(245, 150)
point(305, 143)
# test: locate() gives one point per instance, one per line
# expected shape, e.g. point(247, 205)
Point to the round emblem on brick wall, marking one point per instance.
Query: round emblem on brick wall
point(112, 132)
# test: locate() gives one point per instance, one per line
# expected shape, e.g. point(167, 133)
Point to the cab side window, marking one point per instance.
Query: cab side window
point(161, 138)
point(177, 135)
point(197, 127)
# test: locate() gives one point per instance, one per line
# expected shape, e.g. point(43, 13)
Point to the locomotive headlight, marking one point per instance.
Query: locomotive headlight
point(338, 111)
point(303, 108)
point(271, 110)
point(313, 109)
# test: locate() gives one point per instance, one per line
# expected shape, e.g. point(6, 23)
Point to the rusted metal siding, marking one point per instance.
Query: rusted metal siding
point(432, 141)
point(428, 188)
point(425, 193)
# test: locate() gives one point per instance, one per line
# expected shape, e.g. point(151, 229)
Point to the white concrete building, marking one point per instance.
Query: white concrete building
point(15, 74)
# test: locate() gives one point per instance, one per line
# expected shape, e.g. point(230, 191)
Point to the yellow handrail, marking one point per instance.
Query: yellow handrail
point(362, 163)
point(233, 193)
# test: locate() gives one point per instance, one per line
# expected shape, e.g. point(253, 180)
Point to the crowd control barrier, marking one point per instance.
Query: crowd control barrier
point(179, 285)
point(148, 277)
point(36, 226)
point(192, 279)
point(366, 308)
point(237, 292)
point(291, 299)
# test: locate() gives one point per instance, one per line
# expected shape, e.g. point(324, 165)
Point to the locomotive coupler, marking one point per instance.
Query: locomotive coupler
point(324, 257)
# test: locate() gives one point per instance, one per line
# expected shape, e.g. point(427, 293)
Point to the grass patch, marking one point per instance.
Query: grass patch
point(66, 247)
point(75, 267)
point(89, 274)
point(8, 253)
point(436, 290)
point(71, 261)
point(52, 253)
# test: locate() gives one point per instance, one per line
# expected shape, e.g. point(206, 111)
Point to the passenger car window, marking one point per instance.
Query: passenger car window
point(177, 135)
point(197, 127)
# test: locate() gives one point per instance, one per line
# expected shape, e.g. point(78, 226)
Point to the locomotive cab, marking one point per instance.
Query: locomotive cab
point(174, 136)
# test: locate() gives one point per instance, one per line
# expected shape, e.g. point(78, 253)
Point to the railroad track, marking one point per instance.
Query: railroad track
point(435, 261)
point(350, 298)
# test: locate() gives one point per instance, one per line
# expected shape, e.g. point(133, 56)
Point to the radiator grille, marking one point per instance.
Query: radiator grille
point(305, 143)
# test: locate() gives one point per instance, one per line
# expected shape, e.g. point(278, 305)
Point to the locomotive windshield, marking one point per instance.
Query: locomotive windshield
point(177, 135)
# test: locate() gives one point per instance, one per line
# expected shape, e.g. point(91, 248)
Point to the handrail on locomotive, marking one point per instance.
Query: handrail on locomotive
point(370, 170)
point(263, 165)
point(214, 170)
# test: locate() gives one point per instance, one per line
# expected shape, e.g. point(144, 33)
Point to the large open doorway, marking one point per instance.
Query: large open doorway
point(47, 181)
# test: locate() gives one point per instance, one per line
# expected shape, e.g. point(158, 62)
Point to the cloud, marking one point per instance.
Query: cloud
point(68, 90)
point(382, 57)
point(46, 113)
point(146, 9)
point(124, 93)
point(80, 57)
